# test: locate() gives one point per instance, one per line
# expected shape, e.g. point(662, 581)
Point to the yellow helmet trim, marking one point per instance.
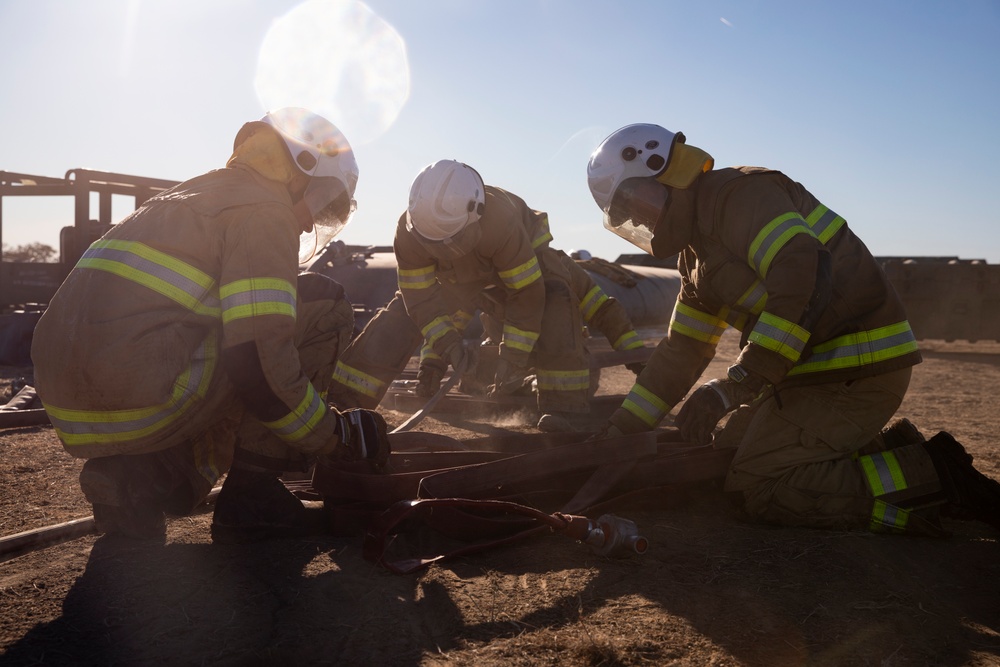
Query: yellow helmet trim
point(686, 164)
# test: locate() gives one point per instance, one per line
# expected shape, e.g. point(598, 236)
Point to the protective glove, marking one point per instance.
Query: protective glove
point(608, 430)
point(463, 355)
point(707, 405)
point(508, 380)
point(363, 435)
point(429, 377)
point(636, 367)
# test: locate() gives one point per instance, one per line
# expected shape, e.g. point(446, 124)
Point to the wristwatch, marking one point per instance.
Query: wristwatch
point(737, 373)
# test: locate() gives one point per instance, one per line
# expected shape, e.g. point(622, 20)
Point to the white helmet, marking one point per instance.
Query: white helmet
point(629, 173)
point(445, 198)
point(321, 151)
point(634, 150)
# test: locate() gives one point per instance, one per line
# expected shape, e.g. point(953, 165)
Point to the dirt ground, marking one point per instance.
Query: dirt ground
point(710, 590)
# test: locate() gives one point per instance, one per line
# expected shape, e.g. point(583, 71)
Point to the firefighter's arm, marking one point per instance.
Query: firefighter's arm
point(422, 294)
point(258, 289)
point(795, 269)
point(673, 368)
point(520, 274)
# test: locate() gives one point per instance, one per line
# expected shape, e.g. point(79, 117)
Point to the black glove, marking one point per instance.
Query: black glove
point(509, 379)
point(708, 404)
point(429, 377)
point(463, 356)
point(364, 436)
point(636, 367)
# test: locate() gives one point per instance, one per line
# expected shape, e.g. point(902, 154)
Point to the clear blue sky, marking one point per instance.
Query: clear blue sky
point(887, 110)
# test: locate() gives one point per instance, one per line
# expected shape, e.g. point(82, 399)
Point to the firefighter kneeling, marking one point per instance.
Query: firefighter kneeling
point(184, 344)
point(463, 246)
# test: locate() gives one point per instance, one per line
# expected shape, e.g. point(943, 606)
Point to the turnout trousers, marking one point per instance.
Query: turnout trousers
point(811, 456)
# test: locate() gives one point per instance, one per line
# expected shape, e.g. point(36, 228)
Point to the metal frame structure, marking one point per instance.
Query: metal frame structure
point(24, 283)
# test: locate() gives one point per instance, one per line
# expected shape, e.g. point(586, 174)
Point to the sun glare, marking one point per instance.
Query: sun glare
point(339, 59)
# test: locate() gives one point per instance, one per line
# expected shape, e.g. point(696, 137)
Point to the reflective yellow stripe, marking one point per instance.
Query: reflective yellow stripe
point(87, 427)
point(437, 328)
point(563, 380)
point(888, 518)
point(628, 341)
point(753, 299)
point(883, 472)
point(645, 405)
point(860, 349)
point(363, 383)
point(519, 339)
point(780, 335)
point(522, 276)
point(696, 324)
point(543, 235)
point(155, 270)
point(302, 420)
point(416, 278)
point(824, 223)
point(253, 297)
point(592, 302)
point(772, 238)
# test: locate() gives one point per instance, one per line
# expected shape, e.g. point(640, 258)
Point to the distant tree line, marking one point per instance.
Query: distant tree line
point(31, 252)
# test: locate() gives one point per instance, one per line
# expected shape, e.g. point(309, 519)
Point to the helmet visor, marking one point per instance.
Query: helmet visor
point(330, 207)
point(635, 208)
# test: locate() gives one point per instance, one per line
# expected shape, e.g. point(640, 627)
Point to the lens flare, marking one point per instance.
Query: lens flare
point(339, 59)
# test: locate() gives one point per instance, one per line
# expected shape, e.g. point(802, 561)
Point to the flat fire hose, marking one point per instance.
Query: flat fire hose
point(452, 500)
point(419, 415)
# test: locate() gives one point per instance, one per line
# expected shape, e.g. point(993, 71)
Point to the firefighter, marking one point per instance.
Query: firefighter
point(184, 341)
point(463, 246)
point(826, 349)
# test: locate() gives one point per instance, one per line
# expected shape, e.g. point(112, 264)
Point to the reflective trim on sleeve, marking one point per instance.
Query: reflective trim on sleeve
point(563, 380)
point(421, 278)
point(301, 420)
point(780, 335)
point(645, 405)
point(696, 324)
point(628, 341)
point(773, 238)
point(437, 328)
point(592, 302)
point(522, 276)
point(253, 297)
point(824, 223)
point(543, 235)
point(88, 427)
point(155, 270)
point(363, 383)
point(860, 349)
point(754, 299)
point(461, 319)
point(519, 339)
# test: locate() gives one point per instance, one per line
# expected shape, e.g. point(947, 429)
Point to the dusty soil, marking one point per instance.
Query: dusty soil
point(711, 590)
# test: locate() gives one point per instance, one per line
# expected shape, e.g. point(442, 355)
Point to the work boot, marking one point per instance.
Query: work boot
point(900, 433)
point(971, 494)
point(255, 505)
point(122, 495)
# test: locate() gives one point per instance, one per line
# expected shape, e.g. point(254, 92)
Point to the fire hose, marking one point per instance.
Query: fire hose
point(608, 535)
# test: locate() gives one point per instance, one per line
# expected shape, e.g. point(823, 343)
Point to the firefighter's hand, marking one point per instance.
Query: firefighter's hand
point(463, 356)
point(509, 379)
point(636, 367)
point(608, 430)
point(703, 410)
point(363, 436)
